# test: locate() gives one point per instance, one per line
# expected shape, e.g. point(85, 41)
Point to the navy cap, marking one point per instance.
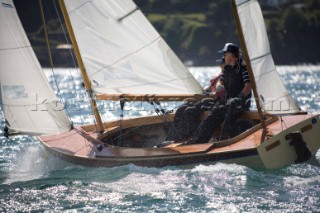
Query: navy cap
point(230, 47)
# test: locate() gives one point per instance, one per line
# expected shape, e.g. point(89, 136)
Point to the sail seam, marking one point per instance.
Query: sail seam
point(243, 3)
point(28, 114)
point(71, 11)
point(276, 99)
point(290, 105)
point(261, 56)
point(15, 48)
point(119, 19)
point(126, 56)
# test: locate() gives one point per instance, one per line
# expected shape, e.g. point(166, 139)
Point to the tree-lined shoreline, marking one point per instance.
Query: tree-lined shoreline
point(197, 29)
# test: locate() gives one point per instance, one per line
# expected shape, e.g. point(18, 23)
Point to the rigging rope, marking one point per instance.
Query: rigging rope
point(121, 135)
point(51, 61)
point(73, 60)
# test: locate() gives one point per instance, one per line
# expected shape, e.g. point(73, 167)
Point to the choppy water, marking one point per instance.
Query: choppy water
point(33, 180)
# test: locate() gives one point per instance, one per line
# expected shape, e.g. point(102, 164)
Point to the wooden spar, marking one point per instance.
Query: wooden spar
point(249, 67)
point(45, 33)
point(85, 77)
point(153, 97)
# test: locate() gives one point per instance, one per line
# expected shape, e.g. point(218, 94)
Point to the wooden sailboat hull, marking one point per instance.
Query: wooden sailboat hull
point(251, 158)
point(275, 152)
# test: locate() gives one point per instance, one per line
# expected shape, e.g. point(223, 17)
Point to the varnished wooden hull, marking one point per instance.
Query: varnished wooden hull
point(248, 157)
point(79, 146)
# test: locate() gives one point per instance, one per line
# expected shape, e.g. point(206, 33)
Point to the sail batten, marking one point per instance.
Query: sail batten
point(273, 95)
point(125, 16)
point(261, 56)
point(29, 103)
point(123, 53)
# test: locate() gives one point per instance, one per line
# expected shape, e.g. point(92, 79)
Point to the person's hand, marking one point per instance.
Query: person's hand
point(220, 88)
point(207, 89)
point(241, 95)
point(219, 91)
point(236, 101)
point(211, 95)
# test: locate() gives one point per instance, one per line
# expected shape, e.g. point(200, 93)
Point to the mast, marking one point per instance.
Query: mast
point(85, 77)
point(249, 67)
point(45, 33)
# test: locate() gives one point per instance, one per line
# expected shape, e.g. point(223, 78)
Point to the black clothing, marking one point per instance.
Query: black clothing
point(229, 109)
point(233, 79)
point(187, 117)
point(185, 123)
point(186, 120)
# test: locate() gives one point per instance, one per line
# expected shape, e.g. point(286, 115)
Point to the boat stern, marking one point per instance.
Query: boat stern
point(296, 144)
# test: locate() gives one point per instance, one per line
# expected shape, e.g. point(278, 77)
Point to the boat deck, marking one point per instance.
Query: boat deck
point(82, 143)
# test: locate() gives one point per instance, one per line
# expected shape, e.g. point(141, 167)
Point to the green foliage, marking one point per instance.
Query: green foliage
point(294, 34)
point(197, 29)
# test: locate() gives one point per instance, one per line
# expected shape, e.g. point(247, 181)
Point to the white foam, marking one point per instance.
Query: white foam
point(32, 162)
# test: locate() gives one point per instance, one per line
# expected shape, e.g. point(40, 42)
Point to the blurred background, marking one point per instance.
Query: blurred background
point(195, 30)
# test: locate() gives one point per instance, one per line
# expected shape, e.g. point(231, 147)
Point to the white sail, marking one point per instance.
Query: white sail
point(273, 95)
point(123, 53)
point(29, 103)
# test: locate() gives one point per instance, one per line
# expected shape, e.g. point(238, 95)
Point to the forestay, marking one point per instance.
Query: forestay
point(123, 53)
point(28, 101)
point(272, 93)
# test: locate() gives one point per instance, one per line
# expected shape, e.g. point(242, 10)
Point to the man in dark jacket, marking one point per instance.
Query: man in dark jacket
point(236, 82)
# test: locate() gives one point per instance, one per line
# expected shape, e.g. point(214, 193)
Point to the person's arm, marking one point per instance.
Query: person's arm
point(246, 89)
point(247, 85)
point(207, 89)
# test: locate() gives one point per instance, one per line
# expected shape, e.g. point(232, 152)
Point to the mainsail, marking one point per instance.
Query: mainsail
point(123, 53)
point(273, 95)
point(29, 103)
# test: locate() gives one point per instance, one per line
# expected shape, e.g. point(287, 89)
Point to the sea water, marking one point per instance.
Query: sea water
point(33, 180)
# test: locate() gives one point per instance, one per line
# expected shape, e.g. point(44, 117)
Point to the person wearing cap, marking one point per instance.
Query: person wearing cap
point(237, 94)
point(187, 117)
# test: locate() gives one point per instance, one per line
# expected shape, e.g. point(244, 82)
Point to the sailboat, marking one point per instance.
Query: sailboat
point(123, 58)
